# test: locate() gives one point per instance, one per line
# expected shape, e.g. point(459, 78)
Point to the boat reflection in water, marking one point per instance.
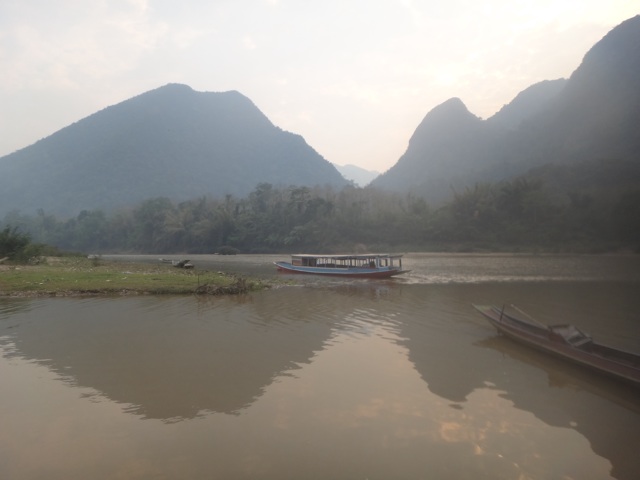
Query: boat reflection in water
point(554, 400)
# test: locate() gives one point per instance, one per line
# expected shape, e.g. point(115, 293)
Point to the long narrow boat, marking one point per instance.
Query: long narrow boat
point(566, 341)
point(368, 265)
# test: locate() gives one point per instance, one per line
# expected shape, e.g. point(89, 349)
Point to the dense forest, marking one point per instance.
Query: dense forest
point(518, 215)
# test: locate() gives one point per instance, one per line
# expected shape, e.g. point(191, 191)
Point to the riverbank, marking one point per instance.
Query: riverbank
point(78, 276)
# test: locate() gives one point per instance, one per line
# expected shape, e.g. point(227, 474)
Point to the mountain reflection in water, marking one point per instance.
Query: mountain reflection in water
point(328, 379)
point(613, 436)
point(173, 359)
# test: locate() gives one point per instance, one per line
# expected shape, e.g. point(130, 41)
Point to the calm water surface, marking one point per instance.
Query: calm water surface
point(327, 378)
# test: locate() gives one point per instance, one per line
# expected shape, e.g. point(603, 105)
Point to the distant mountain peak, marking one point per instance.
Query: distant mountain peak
point(450, 110)
point(358, 175)
point(448, 119)
point(172, 141)
point(453, 103)
point(593, 115)
point(618, 49)
point(175, 87)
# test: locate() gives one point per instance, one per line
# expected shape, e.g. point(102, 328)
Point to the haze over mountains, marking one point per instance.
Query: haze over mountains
point(594, 115)
point(358, 175)
point(172, 141)
point(181, 144)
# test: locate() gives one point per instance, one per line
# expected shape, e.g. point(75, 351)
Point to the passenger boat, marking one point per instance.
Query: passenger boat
point(368, 265)
point(566, 341)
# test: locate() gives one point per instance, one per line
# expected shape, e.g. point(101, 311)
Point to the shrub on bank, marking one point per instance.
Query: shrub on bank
point(16, 246)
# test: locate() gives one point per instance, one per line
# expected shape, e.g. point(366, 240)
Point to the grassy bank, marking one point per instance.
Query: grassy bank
point(69, 276)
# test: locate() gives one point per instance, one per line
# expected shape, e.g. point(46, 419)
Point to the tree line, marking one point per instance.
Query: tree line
point(519, 215)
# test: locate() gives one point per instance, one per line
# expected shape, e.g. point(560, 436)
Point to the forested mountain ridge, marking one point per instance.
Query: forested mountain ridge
point(172, 142)
point(445, 149)
point(595, 114)
point(528, 103)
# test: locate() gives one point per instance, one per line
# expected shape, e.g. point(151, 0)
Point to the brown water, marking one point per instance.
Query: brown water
point(396, 379)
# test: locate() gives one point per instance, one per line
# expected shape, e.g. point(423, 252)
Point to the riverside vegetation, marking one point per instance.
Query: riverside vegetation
point(531, 213)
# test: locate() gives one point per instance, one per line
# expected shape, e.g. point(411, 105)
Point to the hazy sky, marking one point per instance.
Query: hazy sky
point(354, 77)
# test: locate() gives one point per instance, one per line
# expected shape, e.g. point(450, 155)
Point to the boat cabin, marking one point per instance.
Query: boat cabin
point(569, 334)
point(348, 261)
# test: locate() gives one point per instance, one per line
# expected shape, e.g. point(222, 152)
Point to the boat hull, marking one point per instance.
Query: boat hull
point(367, 272)
point(601, 358)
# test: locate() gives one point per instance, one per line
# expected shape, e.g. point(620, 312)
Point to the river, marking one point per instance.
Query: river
point(324, 378)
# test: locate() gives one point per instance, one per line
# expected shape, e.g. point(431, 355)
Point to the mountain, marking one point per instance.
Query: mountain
point(530, 102)
point(444, 150)
point(359, 176)
point(172, 142)
point(598, 112)
point(592, 116)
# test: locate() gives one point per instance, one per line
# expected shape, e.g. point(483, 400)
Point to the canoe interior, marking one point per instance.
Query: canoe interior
point(565, 341)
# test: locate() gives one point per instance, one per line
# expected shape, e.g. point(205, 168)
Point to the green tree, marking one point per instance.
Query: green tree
point(471, 216)
point(14, 244)
point(150, 226)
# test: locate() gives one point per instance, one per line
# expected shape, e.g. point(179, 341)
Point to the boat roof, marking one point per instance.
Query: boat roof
point(346, 256)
